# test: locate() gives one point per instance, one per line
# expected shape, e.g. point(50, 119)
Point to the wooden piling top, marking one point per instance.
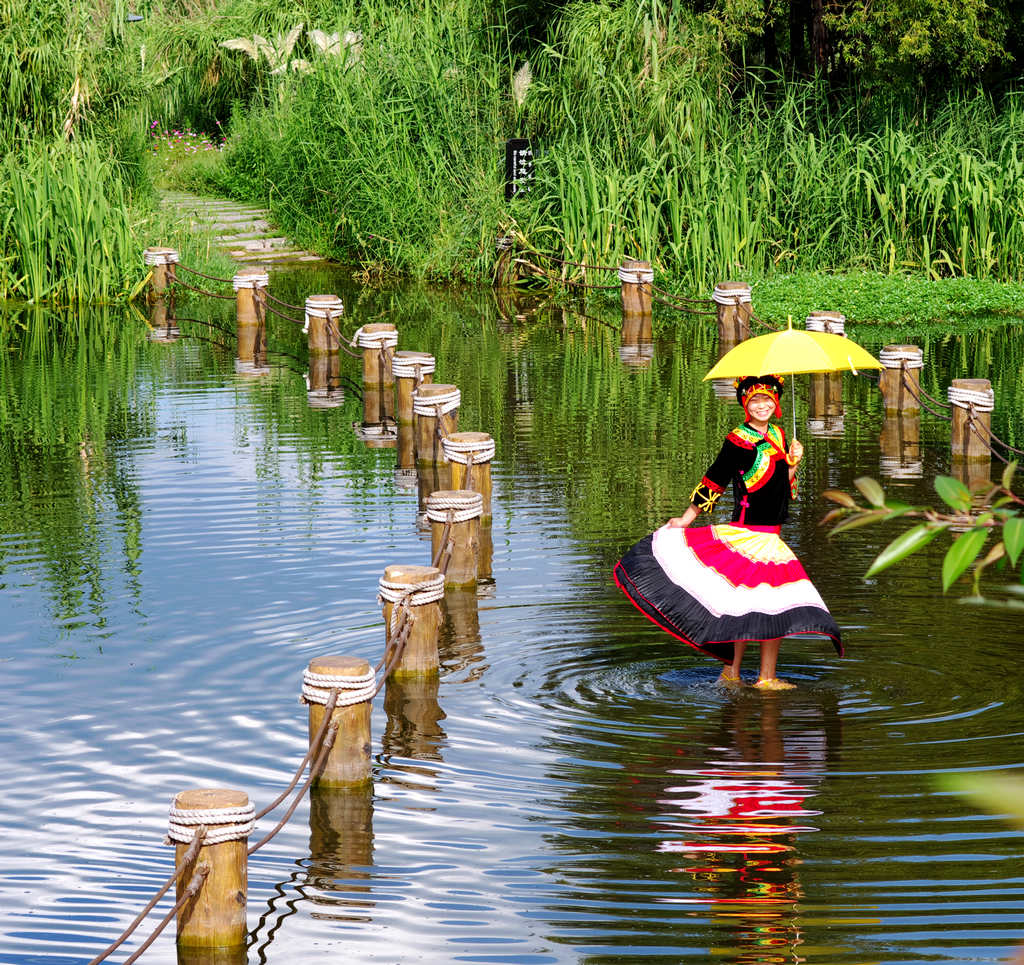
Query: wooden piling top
point(378, 327)
point(407, 355)
point(973, 385)
point(434, 389)
point(409, 575)
point(340, 666)
point(481, 437)
point(208, 798)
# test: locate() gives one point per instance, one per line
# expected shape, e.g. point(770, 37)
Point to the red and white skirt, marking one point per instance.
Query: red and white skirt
point(713, 586)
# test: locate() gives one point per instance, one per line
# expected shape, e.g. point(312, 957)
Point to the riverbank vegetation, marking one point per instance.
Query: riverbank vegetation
point(717, 143)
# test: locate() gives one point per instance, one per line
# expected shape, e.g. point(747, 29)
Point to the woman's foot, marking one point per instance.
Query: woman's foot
point(773, 683)
point(729, 679)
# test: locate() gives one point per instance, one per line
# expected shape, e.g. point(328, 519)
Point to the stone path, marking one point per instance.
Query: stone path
point(243, 231)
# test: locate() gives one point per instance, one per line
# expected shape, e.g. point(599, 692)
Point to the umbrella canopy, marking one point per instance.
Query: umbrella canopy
point(790, 352)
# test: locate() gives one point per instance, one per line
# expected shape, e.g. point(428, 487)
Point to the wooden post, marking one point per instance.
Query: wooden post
point(405, 470)
point(972, 401)
point(248, 314)
point(505, 269)
point(417, 589)
point(378, 341)
point(435, 411)
point(470, 455)
point(159, 261)
point(458, 512)
point(636, 279)
point(734, 306)
point(215, 916)
point(900, 378)
point(322, 316)
point(832, 323)
point(348, 761)
point(410, 371)
point(828, 406)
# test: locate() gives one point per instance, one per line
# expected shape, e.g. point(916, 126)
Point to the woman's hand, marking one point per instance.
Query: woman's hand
point(796, 452)
point(681, 522)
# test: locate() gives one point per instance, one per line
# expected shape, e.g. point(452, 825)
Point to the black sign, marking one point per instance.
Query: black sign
point(518, 167)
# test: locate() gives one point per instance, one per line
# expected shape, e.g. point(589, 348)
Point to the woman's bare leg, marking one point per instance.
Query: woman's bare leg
point(769, 656)
point(731, 672)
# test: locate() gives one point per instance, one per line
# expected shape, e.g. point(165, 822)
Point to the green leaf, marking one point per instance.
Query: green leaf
point(1008, 474)
point(960, 555)
point(953, 493)
point(838, 496)
point(870, 490)
point(1013, 537)
point(1000, 793)
point(864, 519)
point(904, 544)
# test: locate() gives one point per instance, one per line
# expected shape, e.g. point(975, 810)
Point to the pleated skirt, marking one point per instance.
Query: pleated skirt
point(714, 586)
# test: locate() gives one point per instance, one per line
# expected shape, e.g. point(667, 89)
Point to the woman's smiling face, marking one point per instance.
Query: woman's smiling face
point(760, 407)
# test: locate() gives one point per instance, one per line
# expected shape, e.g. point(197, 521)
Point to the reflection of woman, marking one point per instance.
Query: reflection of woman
point(721, 587)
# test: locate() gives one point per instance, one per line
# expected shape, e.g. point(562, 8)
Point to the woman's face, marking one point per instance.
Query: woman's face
point(761, 406)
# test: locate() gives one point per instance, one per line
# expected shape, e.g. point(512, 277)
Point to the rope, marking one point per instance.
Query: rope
point(287, 318)
point(832, 322)
point(1005, 445)
point(253, 279)
point(192, 271)
point(297, 308)
point(445, 543)
point(908, 385)
point(325, 749)
point(901, 358)
point(979, 401)
point(456, 507)
point(468, 452)
point(173, 276)
point(394, 652)
point(222, 824)
point(186, 861)
point(414, 594)
point(436, 405)
point(313, 747)
point(972, 424)
point(731, 296)
point(537, 270)
point(159, 256)
point(681, 308)
point(636, 276)
point(580, 264)
point(317, 688)
point(413, 368)
point(320, 309)
point(191, 890)
point(680, 298)
point(381, 339)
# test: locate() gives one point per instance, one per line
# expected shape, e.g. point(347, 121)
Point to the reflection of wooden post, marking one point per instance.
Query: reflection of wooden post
point(431, 477)
point(636, 279)
point(900, 443)
point(972, 401)
point(470, 455)
point(415, 590)
point(341, 827)
point(900, 378)
point(247, 312)
point(378, 341)
point(215, 917)
point(485, 560)
point(405, 468)
point(636, 346)
point(436, 411)
point(348, 761)
point(828, 406)
point(505, 269)
point(411, 370)
point(159, 261)
point(734, 307)
point(458, 512)
point(413, 718)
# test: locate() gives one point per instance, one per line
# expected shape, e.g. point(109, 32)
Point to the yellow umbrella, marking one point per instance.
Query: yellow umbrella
point(791, 352)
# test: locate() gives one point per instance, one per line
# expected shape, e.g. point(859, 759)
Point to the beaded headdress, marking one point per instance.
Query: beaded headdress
point(770, 385)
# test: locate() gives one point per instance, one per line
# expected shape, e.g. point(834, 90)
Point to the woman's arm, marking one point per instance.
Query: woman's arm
point(681, 522)
point(796, 453)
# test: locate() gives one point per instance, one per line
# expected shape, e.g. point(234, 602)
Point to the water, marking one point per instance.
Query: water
point(178, 541)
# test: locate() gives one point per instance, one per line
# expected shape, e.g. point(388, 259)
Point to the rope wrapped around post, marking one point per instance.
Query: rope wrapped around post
point(410, 370)
point(734, 308)
point(377, 341)
point(635, 280)
point(161, 262)
point(460, 512)
point(352, 684)
point(410, 597)
point(832, 323)
point(470, 455)
point(973, 401)
point(900, 376)
point(435, 410)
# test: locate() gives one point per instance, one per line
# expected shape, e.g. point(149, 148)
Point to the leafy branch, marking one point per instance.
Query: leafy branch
point(997, 512)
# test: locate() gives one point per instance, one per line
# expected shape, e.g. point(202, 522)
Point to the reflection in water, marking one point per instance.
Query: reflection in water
point(900, 443)
point(414, 718)
point(740, 817)
point(636, 347)
point(825, 405)
point(461, 649)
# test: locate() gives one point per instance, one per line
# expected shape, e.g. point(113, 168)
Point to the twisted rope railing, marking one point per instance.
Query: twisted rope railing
point(173, 276)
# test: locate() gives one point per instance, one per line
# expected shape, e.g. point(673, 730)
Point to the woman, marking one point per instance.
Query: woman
point(721, 587)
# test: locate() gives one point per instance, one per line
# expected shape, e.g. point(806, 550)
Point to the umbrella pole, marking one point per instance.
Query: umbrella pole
point(792, 392)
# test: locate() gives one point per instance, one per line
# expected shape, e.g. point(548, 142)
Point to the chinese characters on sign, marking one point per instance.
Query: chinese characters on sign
point(518, 167)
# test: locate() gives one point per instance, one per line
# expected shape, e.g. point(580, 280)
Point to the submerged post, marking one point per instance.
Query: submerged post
point(411, 597)
point(436, 413)
point(900, 378)
point(636, 278)
point(973, 401)
point(470, 455)
point(215, 914)
point(378, 341)
point(734, 307)
point(249, 315)
point(159, 260)
point(348, 760)
point(410, 371)
point(454, 517)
